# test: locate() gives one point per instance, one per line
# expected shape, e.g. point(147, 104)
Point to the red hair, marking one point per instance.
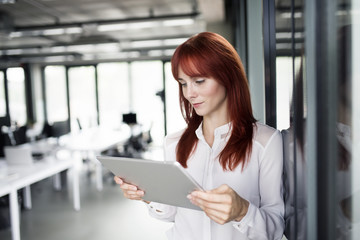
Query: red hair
point(210, 55)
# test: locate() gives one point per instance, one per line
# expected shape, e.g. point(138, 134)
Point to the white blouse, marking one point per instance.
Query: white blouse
point(260, 183)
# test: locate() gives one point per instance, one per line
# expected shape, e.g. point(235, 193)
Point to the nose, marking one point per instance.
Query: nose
point(190, 91)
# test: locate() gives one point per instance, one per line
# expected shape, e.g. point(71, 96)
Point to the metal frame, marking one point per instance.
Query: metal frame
point(321, 68)
point(269, 34)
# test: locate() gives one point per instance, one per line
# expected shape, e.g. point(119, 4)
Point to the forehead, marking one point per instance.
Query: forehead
point(191, 66)
point(182, 75)
point(190, 69)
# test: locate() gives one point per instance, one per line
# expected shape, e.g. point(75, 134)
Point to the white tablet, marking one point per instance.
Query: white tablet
point(162, 182)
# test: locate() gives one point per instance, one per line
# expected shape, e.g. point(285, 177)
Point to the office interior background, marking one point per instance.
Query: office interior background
point(84, 64)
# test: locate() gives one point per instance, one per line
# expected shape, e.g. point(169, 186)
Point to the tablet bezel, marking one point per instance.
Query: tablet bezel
point(164, 182)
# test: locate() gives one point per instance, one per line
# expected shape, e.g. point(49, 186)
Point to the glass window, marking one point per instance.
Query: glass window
point(16, 89)
point(82, 96)
point(114, 97)
point(55, 93)
point(355, 118)
point(291, 113)
point(174, 118)
point(284, 89)
point(146, 82)
point(348, 119)
point(2, 95)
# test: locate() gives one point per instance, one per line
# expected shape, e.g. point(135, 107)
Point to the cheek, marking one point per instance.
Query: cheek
point(184, 94)
point(216, 91)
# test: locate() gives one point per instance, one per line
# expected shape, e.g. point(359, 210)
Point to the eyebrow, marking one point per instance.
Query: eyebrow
point(191, 78)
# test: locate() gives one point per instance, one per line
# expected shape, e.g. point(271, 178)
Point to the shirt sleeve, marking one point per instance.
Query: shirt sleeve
point(266, 221)
point(162, 211)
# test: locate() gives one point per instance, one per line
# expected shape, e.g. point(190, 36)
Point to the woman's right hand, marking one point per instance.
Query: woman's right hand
point(130, 191)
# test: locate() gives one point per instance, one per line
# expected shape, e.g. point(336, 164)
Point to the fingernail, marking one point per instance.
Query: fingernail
point(189, 196)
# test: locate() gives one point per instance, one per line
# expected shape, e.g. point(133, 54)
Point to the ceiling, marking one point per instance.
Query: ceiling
point(91, 30)
point(82, 31)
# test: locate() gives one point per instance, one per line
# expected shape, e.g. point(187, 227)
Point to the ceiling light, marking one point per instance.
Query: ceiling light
point(174, 41)
point(50, 32)
point(14, 51)
point(7, 1)
point(57, 49)
point(73, 30)
point(16, 34)
point(178, 22)
point(155, 53)
point(169, 52)
point(147, 43)
point(81, 48)
point(124, 26)
point(112, 27)
point(141, 25)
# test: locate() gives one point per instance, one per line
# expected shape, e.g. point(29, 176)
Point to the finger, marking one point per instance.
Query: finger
point(118, 180)
point(217, 219)
point(218, 212)
point(130, 187)
point(208, 205)
point(224, 188)
point(211, 197)
point(134, 195)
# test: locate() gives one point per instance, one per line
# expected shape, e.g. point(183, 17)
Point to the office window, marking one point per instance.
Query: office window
point(82, 96)
point(147, 80)
point(348, 118)
point(55, 93)
point(16, 90)
point(113, 89)
point(174, 118)
point(2, 95)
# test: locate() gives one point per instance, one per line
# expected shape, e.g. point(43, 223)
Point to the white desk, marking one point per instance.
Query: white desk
point(14, 178)
point(93, 141)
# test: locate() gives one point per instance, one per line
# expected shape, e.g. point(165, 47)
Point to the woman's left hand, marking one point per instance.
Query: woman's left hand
point(221, 204)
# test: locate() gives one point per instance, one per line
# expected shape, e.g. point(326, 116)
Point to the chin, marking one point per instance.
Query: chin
point(200, 113)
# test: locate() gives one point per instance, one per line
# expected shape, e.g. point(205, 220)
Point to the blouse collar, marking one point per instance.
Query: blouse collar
point(221, 132)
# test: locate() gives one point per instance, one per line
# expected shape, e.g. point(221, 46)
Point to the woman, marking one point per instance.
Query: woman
point(236, 159)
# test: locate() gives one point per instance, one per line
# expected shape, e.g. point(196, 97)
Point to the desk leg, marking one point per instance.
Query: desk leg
point(99, 181)
point(27, 197)
point(14, 215)
point(76, 188)
point(57, 181)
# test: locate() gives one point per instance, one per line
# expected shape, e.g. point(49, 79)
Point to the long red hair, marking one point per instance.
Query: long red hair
point(210, 55)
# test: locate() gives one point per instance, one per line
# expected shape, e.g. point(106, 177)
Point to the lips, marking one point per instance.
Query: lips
point(196, 105)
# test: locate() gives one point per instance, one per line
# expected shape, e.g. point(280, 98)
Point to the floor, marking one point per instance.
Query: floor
point(104, 214)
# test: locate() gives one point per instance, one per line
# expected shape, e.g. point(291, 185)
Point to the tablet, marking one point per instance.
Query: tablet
point(162, 182)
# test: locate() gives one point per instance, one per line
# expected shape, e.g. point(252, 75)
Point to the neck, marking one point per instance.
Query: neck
point(209, 126)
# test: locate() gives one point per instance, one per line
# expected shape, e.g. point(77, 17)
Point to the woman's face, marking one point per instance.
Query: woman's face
point(206, 95)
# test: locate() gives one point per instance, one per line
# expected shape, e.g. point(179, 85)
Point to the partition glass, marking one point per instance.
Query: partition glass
point(348, 119)
point(291, 112)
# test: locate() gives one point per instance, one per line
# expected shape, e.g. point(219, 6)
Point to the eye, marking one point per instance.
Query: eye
point(182, 84)
point(200, 81)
